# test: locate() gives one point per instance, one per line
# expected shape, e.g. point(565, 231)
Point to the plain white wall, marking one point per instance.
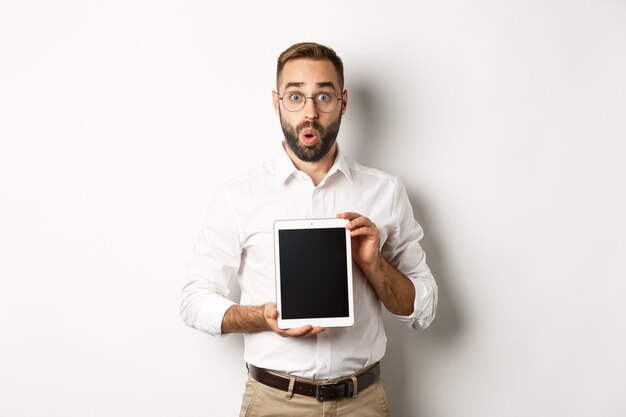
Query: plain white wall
point(506, 120)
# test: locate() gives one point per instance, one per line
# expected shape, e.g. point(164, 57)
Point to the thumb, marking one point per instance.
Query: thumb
point(270, 311)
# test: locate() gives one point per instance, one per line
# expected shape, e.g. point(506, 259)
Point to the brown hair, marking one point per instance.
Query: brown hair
point(309, 50)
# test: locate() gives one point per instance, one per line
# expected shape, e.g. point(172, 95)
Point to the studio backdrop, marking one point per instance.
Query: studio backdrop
point(506, 121)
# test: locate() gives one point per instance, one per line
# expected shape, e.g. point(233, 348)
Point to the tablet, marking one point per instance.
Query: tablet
point(313, 261)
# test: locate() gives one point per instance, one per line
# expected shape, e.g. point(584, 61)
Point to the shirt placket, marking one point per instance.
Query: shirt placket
point(319, 209)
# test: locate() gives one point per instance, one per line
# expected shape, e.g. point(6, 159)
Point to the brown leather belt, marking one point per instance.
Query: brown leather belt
point(322, 392)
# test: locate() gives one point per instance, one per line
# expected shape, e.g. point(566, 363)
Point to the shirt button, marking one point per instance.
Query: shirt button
point(324, 366)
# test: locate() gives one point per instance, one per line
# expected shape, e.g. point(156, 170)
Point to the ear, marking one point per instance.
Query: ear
point(275, 102)
point(344, 101)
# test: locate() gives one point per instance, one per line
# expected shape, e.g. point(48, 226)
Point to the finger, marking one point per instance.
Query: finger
point(364, 231)
point(286, 332)
point(317, 330)
point(314, 331)
point(299, 331)
point(359, 222)
point(268, 308)
point(304, 331)
point(350, 215)
point(270, 311)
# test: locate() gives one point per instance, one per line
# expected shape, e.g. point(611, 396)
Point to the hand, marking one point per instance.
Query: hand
point(365, 239)
point(270, 314)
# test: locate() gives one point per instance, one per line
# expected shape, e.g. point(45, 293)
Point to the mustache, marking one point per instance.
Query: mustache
point(310, 125)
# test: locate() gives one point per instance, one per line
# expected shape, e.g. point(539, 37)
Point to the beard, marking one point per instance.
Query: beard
point(326, 139)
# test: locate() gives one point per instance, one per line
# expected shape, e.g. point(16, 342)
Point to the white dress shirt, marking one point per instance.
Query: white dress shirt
point(237, 242)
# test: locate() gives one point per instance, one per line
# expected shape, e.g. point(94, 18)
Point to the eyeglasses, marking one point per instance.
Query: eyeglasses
point(295, 101)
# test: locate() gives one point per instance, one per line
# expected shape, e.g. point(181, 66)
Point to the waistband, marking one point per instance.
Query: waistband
point(324, 390)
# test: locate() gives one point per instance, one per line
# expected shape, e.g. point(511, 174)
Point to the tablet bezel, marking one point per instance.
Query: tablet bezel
point(306, 224)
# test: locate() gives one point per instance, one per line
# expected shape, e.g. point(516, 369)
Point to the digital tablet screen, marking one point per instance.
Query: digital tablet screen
point(313, 271)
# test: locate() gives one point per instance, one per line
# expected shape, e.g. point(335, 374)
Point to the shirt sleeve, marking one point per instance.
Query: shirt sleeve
point(403, 251)
point(214, 262)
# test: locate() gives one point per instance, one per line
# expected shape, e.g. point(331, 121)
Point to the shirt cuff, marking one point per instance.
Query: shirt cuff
point(211, 314)
point(424, 306)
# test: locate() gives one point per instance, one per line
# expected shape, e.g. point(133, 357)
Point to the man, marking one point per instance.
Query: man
point(309, 371)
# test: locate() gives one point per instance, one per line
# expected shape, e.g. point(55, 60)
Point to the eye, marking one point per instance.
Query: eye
point(323, 97)
point(295, 97)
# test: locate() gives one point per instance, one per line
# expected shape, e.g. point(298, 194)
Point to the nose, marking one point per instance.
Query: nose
point(310, 110)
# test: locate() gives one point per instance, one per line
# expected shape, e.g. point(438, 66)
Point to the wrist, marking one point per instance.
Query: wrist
point(244, 319)
point(264, 313)
point(377, 265)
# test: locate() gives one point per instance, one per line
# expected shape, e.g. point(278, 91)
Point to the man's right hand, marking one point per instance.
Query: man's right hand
point(255, 319)
point(270, 314)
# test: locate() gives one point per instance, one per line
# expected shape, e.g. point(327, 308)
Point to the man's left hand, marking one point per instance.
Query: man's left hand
point(392, 287)
point(365, 239)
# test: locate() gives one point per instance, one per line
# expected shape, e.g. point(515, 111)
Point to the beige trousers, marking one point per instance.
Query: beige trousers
point(262, 401)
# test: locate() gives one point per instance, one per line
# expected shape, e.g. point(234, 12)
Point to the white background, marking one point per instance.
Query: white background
point(505, 119)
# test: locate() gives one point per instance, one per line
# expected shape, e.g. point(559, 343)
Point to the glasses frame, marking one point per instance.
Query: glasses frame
point(340, 98)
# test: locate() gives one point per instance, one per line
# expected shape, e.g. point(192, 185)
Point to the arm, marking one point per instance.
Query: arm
point(398, 272)
point(393, 288)
point(215, 260)
point(254, 319)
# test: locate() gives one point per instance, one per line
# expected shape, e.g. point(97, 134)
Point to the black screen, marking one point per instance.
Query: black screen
point(313, 273)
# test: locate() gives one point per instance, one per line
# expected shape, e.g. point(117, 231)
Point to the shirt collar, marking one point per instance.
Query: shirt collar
point(341, 164)
point(285, 167)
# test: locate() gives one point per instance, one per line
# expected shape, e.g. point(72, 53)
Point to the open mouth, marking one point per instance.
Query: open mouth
point(308, 136)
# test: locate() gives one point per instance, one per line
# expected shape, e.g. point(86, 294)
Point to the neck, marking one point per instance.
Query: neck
point(315, 170)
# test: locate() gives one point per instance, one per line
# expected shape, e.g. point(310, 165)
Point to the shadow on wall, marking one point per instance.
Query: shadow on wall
point(406, 349)
point(363, 105)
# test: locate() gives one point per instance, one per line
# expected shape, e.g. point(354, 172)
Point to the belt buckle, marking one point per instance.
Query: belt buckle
point(319, 395)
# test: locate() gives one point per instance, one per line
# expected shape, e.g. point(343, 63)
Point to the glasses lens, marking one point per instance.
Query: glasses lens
point(326, 102)
point(293, 101)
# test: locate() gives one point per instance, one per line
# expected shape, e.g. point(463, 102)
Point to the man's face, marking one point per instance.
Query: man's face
point(310, 133)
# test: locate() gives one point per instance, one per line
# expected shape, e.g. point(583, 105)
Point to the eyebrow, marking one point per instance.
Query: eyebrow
point(300, 84)
point(326, 84)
